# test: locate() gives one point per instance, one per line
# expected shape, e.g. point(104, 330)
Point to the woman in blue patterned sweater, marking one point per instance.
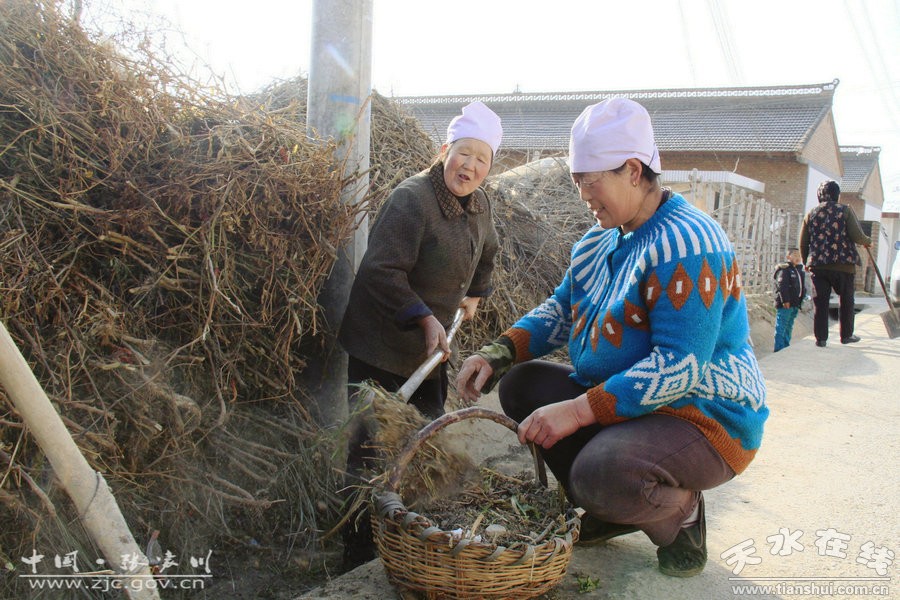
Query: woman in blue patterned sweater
point(664, 397)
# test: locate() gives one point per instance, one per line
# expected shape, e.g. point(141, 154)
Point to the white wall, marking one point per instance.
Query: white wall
point(871, 213)
point(813, 180)
point(890, 229)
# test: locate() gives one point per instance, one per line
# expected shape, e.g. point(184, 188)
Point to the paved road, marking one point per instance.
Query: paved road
point(815, 515)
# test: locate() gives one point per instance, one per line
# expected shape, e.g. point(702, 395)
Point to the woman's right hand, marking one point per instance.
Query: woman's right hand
point(473, 374)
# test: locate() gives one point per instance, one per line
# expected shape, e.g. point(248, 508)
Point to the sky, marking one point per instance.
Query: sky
point(426, 47)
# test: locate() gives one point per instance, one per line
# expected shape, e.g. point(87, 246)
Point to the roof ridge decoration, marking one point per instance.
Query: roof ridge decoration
point(596, 96)
point(860, 150)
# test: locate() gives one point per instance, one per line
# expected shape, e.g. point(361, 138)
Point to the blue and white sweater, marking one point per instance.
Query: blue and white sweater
point(656, 321)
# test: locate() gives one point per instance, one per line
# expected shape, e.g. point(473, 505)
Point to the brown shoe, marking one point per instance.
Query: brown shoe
point(594, 531)
point(686, 556)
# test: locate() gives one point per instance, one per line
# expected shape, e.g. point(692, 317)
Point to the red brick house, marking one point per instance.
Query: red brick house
point(862, 189)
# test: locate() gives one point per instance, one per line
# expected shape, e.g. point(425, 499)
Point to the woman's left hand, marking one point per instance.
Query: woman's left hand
point(435, 336)
point(549, 424)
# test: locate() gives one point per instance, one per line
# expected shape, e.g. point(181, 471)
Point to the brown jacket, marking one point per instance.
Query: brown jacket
point(425, 253)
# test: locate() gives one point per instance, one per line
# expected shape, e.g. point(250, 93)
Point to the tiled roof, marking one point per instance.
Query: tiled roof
point(859, 162)
point(750, 119)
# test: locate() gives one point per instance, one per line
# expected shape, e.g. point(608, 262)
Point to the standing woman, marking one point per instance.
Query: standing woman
point(431, 250)
point(828, 241)
point(664, 397)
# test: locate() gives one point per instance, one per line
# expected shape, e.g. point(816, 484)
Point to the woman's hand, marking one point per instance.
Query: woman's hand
point(549, 424)
point(435, 336)
point(469, 304)
point(473, 374)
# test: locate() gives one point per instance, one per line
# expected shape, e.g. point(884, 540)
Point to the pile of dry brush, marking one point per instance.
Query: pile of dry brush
point(162, 248)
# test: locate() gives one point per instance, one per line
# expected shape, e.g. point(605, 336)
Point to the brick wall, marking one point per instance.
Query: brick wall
point(785, 178)
point(855, 202)
point(822, 148)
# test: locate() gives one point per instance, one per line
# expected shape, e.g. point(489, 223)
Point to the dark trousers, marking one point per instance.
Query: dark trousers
point(429, 399)
point(841, 282)
point(646, 472)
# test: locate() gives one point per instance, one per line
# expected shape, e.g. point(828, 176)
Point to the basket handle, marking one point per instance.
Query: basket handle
point(473, 412)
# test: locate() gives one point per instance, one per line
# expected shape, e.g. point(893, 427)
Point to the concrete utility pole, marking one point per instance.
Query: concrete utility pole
point(340, 83)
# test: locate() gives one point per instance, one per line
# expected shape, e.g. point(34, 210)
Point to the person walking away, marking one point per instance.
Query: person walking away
point(431, 250)
point(790, 289)
point(663, 397)
point(828, 241)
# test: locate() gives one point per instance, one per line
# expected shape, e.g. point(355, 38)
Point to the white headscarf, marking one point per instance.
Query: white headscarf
point(610, 132)
point(479, 122)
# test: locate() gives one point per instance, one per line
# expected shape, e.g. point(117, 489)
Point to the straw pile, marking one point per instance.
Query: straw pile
point(399, 148)
point(163, 246)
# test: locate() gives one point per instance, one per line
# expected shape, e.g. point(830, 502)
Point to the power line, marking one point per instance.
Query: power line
point(685, 35)
point(878, 74)
point(723, 32)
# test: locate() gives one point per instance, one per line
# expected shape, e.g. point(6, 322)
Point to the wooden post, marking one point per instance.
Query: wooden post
point(758, 240)
point(763, 244)
point(745, 212)
point(731, 216)
point(94, 502)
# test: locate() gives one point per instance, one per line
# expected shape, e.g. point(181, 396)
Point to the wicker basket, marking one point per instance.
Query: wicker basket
point(420, 556)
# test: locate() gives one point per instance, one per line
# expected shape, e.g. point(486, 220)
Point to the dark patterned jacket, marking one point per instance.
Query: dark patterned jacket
point(828, 237)
point(425, 253)
point(790, 287)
